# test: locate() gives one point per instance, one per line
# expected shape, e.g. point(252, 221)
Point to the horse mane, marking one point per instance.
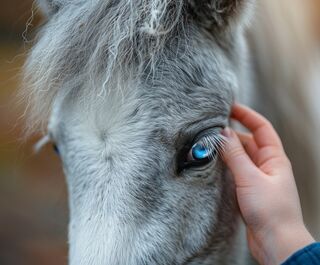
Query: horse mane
point(95, 45)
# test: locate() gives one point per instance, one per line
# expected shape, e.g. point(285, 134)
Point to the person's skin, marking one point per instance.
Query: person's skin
point(266, 189)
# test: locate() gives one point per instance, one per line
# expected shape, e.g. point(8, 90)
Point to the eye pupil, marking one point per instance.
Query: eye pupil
point(199, 152)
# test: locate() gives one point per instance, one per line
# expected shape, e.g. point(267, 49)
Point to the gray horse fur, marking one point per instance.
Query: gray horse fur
point(123, 87)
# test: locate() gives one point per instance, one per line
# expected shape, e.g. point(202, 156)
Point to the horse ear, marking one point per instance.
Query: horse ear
point(217, 14)
point(49, 7)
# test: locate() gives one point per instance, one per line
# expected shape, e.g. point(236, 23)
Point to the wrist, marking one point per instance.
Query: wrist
point(284, 241)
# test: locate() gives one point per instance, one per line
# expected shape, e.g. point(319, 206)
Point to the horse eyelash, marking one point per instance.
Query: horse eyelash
point(214, 143)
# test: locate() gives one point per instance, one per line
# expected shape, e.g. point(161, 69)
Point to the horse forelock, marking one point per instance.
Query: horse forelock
point(94, 46)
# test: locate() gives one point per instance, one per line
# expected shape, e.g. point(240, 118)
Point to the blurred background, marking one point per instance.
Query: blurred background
point(33, 205)
point(33, 199)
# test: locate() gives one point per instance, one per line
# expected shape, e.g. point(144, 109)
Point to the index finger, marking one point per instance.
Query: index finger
point(262, 130)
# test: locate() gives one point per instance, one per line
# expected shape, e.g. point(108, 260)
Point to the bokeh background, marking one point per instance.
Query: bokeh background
point(33, 205)
point(33, 198)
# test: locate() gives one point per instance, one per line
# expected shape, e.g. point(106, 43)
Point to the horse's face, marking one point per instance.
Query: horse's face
point(145, 179)
point(140, 187)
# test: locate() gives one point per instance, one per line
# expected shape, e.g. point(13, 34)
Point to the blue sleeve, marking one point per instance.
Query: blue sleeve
point(309, 255)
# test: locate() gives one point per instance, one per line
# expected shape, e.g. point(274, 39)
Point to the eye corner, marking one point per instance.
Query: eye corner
point(53, 142)
point(55, 148)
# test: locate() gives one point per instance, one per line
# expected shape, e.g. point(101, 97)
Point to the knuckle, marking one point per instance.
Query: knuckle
point(287, 162)
point(236, 152)
point(269, 124)
point(266, 122)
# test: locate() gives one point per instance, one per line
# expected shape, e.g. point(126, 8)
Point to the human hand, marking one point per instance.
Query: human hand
point(266, 190)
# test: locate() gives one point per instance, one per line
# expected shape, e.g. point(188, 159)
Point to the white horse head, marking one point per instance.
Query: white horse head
point(136, 93)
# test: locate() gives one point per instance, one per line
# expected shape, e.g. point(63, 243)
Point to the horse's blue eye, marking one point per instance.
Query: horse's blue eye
point(204, 149)
point(200, 152)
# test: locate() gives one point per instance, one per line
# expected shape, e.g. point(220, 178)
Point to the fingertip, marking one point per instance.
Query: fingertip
point(232, 142)
point(235, 155)
point(230, 135)
point(226, 132)
point(230, 139)
point(236, 107)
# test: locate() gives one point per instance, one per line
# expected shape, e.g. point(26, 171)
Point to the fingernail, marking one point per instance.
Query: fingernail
point(226, 132)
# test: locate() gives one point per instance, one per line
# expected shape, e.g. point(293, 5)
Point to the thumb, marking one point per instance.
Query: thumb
point(237, 159)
